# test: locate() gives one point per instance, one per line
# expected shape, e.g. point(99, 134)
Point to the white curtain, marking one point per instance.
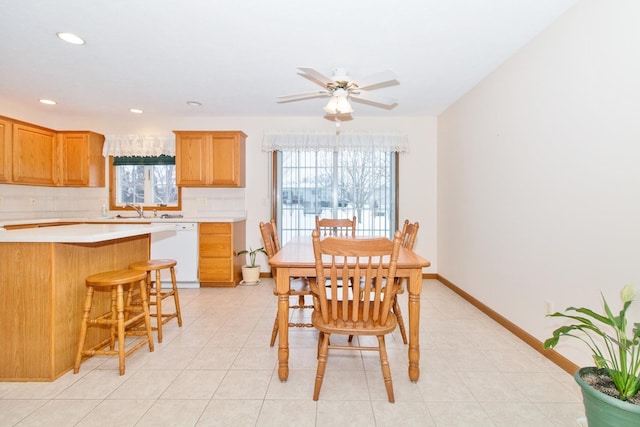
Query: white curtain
point(327, 141)
point(139, 145)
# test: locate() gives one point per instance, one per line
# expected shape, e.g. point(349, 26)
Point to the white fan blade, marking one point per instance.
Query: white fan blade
point(317, 76)
point(377, 79)
point(373, 99)
point(303, 95)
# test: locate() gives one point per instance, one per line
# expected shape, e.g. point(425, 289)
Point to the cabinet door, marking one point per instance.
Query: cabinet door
point(34, 155)
point(216, 253)
point(193, 152)
point(228, 159)
point(5, 150)
point(82, 160)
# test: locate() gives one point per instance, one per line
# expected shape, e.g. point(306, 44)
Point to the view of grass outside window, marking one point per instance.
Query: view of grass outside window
point(336, 185)
point(149, 181)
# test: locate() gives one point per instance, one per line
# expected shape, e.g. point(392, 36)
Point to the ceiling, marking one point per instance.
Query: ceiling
point(235, 57)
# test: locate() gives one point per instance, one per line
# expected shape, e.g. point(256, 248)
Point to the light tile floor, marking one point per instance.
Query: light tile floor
point(218, 370)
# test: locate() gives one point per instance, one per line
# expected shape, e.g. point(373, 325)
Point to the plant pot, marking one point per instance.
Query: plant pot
point(603, 410)
point(251, 275)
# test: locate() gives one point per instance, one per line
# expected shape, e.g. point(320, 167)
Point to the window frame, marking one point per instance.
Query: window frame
point(276, 197)
point(112, 194)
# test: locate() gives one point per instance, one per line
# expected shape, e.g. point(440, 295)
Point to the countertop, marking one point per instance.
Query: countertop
point(79, 233)
point(122, 219)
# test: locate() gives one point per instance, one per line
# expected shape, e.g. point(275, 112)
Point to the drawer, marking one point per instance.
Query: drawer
point(215, 247)
point(215, 270)
point(215, 227)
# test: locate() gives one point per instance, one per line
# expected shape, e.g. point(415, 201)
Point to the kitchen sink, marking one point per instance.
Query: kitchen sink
point(130, 217)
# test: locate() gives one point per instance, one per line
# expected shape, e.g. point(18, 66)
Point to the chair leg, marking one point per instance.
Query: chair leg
point(322, 364)
point(274, 333)
point(386, 371)
point(398, 313)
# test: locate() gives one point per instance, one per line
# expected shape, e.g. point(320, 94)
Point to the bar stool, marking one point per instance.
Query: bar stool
point(118, 318)
point(156, 294)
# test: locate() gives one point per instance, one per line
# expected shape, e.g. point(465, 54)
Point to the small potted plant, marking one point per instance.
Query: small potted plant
point(610, 389)
point(251, 271)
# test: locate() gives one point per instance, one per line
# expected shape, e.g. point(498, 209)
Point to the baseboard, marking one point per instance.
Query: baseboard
point(529, 339)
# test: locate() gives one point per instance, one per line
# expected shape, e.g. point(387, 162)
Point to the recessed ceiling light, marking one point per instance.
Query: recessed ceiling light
point(70, 38)
point(135, 110)
point(48, 102)
point(194, 103)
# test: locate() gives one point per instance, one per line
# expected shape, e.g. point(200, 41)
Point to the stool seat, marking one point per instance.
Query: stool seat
point(157, 294)
point(117, 277)
point(118, 318)
point(153, 264)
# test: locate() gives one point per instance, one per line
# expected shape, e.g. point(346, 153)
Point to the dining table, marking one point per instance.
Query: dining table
point(296, 259)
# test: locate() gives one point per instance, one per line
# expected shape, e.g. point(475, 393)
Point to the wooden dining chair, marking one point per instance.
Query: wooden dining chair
point(361, 309)
point(343, 227)
point(298, 286)
point(407, 240)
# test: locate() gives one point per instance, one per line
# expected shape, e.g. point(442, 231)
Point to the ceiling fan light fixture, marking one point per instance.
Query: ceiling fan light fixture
point(338, 105)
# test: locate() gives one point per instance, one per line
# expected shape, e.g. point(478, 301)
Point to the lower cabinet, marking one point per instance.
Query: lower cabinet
point(218, 244)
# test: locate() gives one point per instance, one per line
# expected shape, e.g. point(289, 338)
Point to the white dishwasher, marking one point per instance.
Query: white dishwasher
point(179, 243)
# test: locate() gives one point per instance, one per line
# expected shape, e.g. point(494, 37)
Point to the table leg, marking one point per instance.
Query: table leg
point(415, 288)
point(282, 288)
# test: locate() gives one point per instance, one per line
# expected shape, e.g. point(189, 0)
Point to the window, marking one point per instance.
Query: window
point(339, 184)
point(149, 181)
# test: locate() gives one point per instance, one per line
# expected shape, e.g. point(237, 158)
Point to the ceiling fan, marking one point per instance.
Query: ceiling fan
point(340, 87)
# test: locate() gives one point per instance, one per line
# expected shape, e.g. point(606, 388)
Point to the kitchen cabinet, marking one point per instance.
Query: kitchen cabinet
point(210, 158)
point(35, 158)
point(5, 150)
point(82, 159)
point(34, 155)
point(218, 243)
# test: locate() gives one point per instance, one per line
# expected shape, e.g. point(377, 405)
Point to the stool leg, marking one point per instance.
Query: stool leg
point(83, 328)
point(158, 293)
point(176, 298)
point(113, 328)
point(145, 308)
point(120, 314)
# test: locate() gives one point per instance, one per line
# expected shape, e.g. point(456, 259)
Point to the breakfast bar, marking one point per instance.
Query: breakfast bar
point(42, 282)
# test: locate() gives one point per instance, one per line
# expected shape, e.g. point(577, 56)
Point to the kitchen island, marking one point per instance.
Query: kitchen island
point(42, 282)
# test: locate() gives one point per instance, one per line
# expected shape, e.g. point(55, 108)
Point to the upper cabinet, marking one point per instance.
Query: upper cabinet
point(35, 158)
point(82, 160)
point(210, 158)
point(5, 150)
point(34, 155)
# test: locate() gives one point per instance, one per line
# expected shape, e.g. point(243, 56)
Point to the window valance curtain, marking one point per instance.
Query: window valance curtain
point(327, 141)
point(139, 145)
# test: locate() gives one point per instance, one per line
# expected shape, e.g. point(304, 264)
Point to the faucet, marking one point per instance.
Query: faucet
point(138, 208)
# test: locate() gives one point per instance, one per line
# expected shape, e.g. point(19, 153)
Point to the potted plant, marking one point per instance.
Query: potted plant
point(251, 271)
point(610, 389)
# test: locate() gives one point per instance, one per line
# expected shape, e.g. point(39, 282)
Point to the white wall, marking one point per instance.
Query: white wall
point(417, 168)
point(539, 173)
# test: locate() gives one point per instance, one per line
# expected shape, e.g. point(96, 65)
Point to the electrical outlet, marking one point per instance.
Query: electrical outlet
point(548, 307)
point(33, 201)
point(202, 202)
point(1, 200)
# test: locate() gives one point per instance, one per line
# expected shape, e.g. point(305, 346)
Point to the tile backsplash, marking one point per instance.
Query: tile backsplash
point(23, 201)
